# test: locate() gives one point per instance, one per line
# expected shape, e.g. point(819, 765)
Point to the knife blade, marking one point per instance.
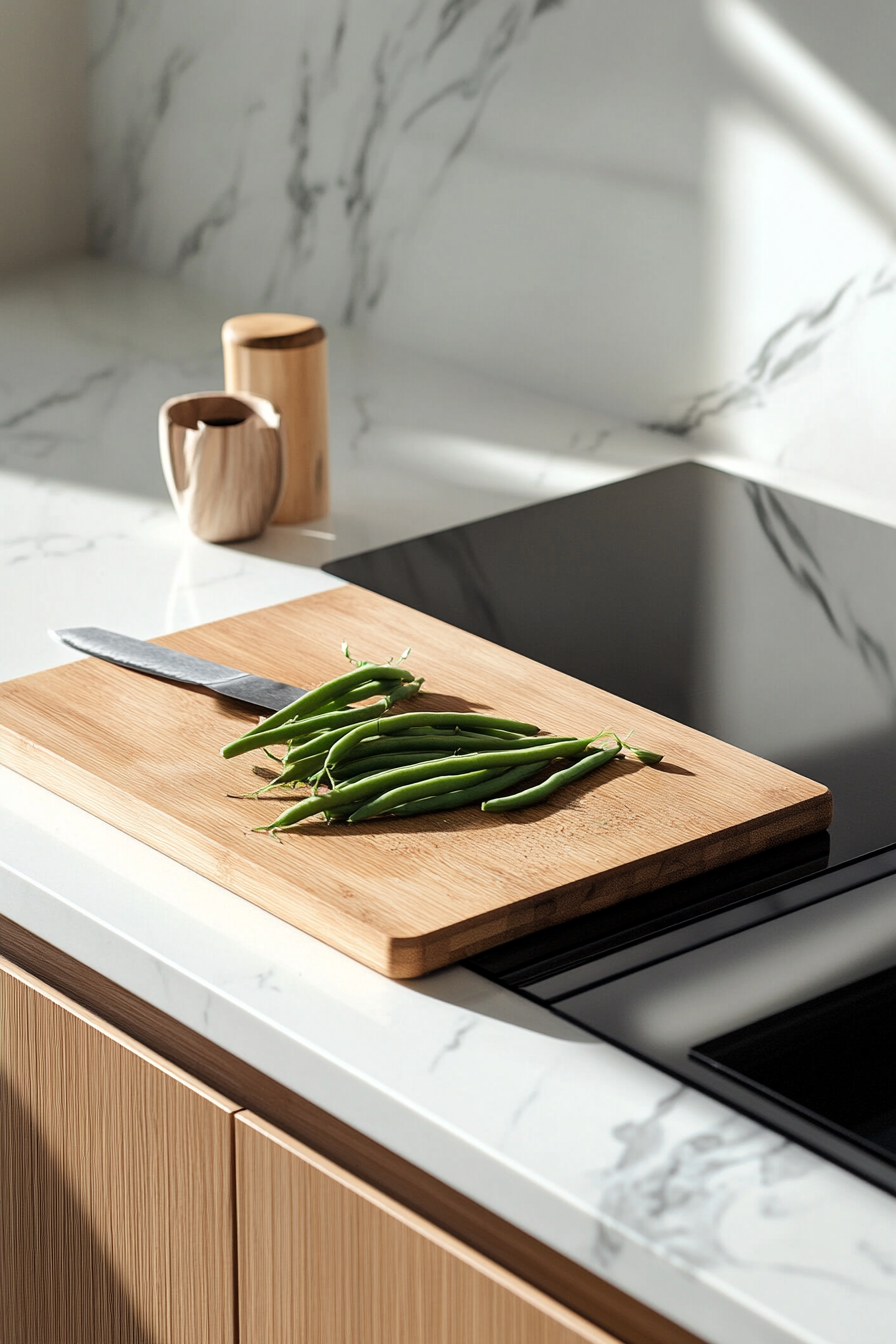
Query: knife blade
point(139, 656)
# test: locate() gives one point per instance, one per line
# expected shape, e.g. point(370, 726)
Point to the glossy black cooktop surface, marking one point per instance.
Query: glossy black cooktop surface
point(761, 618)
point(767, 621)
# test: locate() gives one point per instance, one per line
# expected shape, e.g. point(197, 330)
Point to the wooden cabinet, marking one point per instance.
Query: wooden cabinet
point(116, 1192)
point(138, 1205)
point(325, 1258)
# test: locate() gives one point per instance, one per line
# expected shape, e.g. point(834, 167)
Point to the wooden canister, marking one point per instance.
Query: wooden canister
point(283, 358)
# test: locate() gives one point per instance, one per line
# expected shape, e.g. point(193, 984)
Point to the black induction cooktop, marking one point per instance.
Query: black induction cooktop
point(768, 621)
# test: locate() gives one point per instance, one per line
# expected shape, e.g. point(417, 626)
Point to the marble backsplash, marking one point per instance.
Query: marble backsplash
point(676, 211)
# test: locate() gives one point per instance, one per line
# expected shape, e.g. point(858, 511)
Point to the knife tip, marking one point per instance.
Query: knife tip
point(63, 637)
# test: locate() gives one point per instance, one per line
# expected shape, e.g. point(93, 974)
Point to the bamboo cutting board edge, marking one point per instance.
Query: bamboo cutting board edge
point(464, 922)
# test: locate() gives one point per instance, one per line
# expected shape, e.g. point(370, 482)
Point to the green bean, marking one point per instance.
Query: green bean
point(404, 742)
point(258, 738)
point(292, 729)
point(446, 744)
point(502, 732)
point(371, 688)
point(342, 718)
point(492, 735)
point(538, 792)
point(365, 691)
point(454, 765)
point(443, 802)
point(296, 746)
point(331, 691)
point(449, 745)
point(400, 722)
point(445, 734)
point(443, 719)
point(405, 691)
point(240, 745)
point(376, 765)
point(424, 788)
point(313, 745)
point(339, 813)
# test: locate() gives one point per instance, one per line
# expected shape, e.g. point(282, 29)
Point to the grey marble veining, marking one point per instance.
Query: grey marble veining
point(373, 165)
point(681, 214)
point(89, 351)
point(375, 75)
point(787, 354)
point(678, 1197)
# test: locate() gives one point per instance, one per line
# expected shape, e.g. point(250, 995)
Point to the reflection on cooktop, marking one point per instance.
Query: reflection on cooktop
point(763, 619)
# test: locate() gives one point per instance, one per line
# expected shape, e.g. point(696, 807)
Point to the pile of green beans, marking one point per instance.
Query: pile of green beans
point(363, 762)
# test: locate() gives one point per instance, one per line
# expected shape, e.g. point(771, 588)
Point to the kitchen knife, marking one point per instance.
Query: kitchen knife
point(140, 656)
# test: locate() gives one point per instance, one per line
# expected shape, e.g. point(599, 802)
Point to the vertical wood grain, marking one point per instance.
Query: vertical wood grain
point(116, 1198)
point(563, 1280)
point(325, 1258)
point(283, 358)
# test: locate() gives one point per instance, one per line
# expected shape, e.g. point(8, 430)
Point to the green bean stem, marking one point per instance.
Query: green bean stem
point(263, 740)
point(538, 792)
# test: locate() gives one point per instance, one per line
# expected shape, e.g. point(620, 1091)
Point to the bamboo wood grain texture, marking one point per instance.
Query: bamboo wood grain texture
point(116, 1195)
point(283, 358)
point(325, 1258)
point(585, 1293)
point(402, 895)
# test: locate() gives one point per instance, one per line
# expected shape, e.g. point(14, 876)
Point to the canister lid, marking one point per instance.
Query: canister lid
point(272, 331)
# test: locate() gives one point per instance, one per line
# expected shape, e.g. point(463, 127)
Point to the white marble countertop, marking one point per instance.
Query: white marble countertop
point(711, 1219)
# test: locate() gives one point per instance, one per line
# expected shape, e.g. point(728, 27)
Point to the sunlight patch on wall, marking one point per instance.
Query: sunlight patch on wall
point(800, 218)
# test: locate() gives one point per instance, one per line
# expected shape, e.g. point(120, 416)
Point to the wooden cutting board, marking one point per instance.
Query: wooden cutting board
point(403, 896)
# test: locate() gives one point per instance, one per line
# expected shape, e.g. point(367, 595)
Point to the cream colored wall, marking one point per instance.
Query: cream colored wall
point(43, 130)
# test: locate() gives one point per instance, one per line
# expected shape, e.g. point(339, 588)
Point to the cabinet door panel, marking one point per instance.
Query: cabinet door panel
point(116, 1198)
point(324, 1258)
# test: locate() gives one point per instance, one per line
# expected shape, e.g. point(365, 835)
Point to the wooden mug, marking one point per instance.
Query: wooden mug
point(223, 463)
